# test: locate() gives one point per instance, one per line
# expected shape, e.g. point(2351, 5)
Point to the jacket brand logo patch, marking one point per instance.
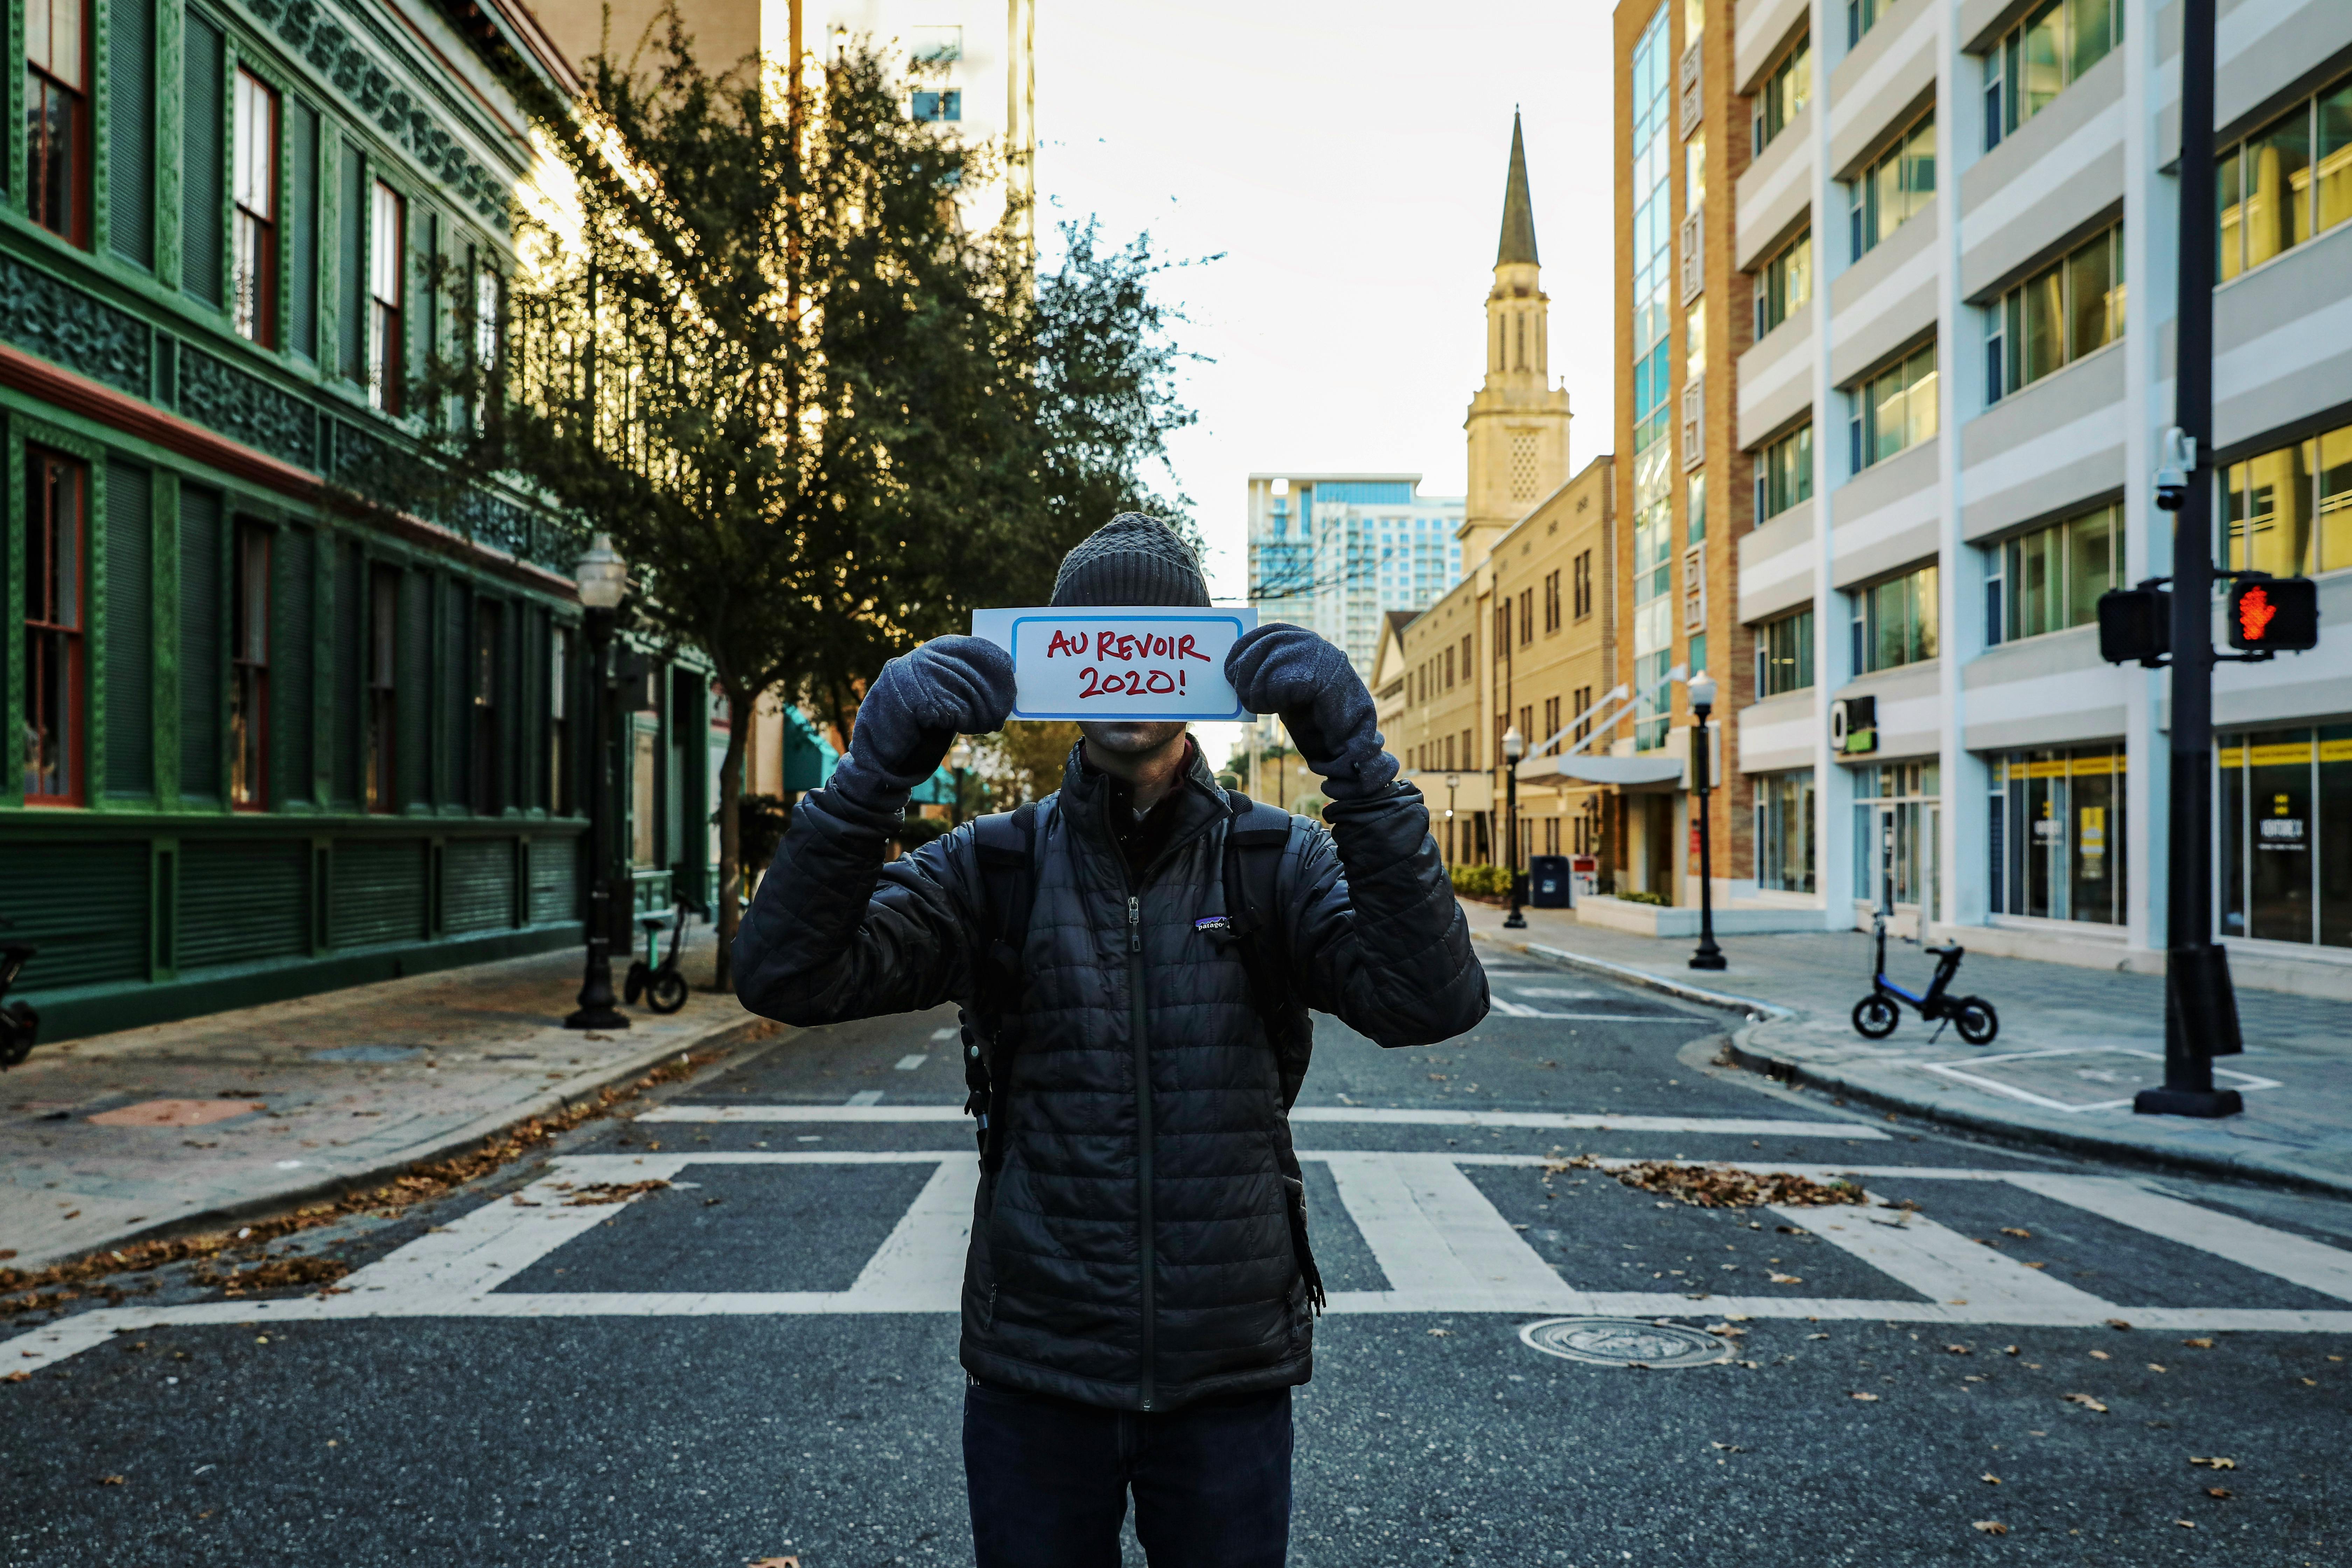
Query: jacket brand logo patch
point(1213, 923)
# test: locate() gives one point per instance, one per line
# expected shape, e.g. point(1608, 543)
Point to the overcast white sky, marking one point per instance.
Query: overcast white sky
point(1348, 160)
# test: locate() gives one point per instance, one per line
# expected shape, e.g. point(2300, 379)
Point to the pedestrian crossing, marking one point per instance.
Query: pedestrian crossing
point(1438, 1241)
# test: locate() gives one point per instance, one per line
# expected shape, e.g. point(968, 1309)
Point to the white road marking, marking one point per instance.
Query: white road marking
point(945, 1034)
point(1943, 1265)
point(919, 1267)
point(910, 1062)
point(1960, 1072)
point(1549, 1120)
point(2295, 1259)
point(865, 1096)
point(1436, 1237)
point(1510, 1009)
point(1442, 1246)
point(1557, 993)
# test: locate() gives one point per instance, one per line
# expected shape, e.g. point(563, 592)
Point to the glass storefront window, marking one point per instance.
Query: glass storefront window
point(2057, 834)
point(2285, 860)
point(1895, 807)
point(1784, 831)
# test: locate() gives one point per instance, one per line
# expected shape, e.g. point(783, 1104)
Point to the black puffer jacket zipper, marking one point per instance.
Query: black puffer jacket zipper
point(1136, 1027)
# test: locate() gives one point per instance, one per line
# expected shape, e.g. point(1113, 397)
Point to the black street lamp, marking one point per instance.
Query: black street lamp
point(602, 578)
point(1702, 703)
point(1513, 745)
point(959, 760)
point(2200, 1009)
point(1453, 782)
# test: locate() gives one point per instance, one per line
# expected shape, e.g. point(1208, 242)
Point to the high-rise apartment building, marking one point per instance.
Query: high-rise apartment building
point(1894, 315)
point(1338, 552)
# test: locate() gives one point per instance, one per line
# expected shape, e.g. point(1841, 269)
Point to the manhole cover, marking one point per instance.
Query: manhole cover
point(1625, 1342)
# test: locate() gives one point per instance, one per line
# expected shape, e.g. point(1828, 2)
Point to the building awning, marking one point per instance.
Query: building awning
point(1636, 770)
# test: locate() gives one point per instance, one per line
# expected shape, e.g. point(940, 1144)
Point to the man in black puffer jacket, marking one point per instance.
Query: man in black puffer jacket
point(1135, 1307)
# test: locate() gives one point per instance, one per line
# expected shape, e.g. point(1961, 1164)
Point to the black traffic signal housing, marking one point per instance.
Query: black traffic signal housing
point(2135, 624)
point(2272, 615)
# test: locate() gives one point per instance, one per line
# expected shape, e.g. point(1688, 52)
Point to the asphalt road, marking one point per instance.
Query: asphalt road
point(750, 1362)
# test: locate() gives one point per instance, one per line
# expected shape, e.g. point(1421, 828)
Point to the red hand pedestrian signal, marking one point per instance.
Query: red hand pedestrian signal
point(2274, 613)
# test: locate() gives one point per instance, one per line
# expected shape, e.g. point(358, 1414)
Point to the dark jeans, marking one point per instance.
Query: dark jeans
point(1049, 1478)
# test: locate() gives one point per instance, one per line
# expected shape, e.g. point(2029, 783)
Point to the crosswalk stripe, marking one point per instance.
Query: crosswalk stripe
point(2295, 1259)
point(1433, 1233)
point(919, 1268)
point(1941, 1263)
point(861, 1110)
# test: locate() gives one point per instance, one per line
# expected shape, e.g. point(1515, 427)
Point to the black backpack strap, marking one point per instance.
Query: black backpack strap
point(1006, 843)
point(1256, 838)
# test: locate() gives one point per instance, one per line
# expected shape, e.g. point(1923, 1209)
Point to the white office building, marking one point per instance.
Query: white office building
point(1337, 551)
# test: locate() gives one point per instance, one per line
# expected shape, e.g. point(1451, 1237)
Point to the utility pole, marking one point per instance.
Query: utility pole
point(2201, 1010)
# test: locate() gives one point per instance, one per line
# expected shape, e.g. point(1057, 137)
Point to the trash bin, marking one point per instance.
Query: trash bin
point(1550, 873)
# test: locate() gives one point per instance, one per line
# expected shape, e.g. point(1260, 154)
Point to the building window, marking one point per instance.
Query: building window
point(57, 507)
point(942, 105)
point(1527, 617)
point(387, 277)
point(1895, 410)
point(248, 697)
point(488, 617)
point(1784, 831)
point(1895, 839)
point(1784, 654)
point(1784, 284)
point(1551, 602)
point(1899, 184)
point(1583, 584)
point(2057, 834)
point(256, 192)
point(2051, 578)
point(56, 116)
point(1861, 16)
point(1582, 698)
point(2287, 182)
point(2286, 861)
point(1782, 96)
point(2069, 309)
point(1894, 622)
point(383, 710)
point(1695, 507)
point(557, 795)
point(2041, 56)
point(2288, 512)
point(1784, 473)
point(1550, 720)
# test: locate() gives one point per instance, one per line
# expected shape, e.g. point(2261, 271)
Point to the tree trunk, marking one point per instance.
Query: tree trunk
point(729, 896)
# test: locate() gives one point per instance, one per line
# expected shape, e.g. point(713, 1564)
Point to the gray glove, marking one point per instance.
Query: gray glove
point(914, 711)
point(1286, 670)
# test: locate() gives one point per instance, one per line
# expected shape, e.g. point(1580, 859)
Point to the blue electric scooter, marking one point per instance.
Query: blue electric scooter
point(1876, 1015)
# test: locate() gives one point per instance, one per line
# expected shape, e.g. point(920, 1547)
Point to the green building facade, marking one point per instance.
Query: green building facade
point(258, 741)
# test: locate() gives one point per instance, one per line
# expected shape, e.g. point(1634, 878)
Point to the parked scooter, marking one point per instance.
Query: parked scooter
point(1876, 1015)
point(662, 984)
point(18, 1023)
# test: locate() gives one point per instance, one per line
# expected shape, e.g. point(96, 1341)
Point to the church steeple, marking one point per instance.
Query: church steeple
point(1518, 420)
point(1519, 241)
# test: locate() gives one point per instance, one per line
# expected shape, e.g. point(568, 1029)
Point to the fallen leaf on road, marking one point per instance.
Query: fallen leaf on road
point(2219, 1491)
point(2214, 1464)
point(276, 1274)
point(1991, 1527)
point(1778, 1278)
point(1726, 1331)
point(2312, 1380)
point(2009, 1350)
point(1958, 1350)
point(593, 1193)
point(2153, 1366)
point(109, 1480)
point(1440, 1333)
point(521, 1202)
point(2100, 1355)
point(1728, 1448)
point(2037, 1266)
point(1817, 1336)
point(2117, 1323)
point(777, 1563)
point(2186, 1524)
point(2085, 1401)
point(2013, 1230)
point(16, 1378)
point(1866, 1399)
point(1720, 1187)
point(2199, 1344)
point(1989, 1478)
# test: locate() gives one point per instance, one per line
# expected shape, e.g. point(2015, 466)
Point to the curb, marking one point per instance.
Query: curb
point(1746, 1052)
point(1756, 1010)
point(586, 1085)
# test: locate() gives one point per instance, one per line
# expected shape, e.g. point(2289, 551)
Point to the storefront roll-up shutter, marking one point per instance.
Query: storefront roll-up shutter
point(130, 630)
point(203, 671)
point(242, 901)
point(201, 160)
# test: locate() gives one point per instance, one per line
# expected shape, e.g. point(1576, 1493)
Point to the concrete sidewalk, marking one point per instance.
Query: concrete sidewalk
point(116, 1136)
point(2073, 1046)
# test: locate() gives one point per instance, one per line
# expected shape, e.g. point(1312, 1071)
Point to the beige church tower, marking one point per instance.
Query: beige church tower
point(1518, 420)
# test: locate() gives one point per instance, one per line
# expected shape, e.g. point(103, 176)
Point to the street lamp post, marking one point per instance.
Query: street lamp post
point(1453, 782)
point(603, 578)
point(1513, 745)
point(1702, 702)
point(959, 759)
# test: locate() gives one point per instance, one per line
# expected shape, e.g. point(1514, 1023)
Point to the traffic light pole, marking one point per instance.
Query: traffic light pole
point(2201, 1010)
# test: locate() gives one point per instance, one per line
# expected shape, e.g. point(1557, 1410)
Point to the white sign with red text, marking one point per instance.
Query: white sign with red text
point(1151, 661)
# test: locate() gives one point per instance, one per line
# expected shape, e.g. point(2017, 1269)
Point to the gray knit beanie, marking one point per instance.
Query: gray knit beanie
point(1132, 560)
